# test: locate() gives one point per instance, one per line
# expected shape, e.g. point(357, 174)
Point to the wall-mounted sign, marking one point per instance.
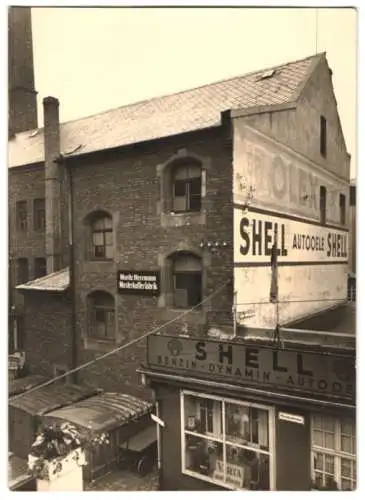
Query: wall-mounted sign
point(138, 282)
point(290, 417)
point(297, 241)
point(308, 372)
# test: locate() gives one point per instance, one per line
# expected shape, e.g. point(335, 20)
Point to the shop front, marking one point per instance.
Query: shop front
point(238, 416)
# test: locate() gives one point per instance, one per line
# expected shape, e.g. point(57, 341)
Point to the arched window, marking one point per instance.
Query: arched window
point(101, 237)
point(186, 279)
point(186, 187)
point(101, 316)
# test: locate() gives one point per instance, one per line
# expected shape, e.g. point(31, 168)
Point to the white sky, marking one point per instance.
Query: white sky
point(93, 59)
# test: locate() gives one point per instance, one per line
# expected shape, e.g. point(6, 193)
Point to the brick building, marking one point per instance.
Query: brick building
point(156, 192)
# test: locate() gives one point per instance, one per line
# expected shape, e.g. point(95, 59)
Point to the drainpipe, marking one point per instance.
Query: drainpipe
point(158, 447)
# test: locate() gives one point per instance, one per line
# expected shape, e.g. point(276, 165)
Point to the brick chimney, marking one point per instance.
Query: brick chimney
point(52, 183)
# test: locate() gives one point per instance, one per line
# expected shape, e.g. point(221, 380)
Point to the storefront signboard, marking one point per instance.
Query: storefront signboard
point(315, 373)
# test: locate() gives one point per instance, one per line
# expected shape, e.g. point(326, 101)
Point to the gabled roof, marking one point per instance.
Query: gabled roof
point(169, 115)
point(54, 282)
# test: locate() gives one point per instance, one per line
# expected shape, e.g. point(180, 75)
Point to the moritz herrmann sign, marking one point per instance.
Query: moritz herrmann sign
point(139, 282)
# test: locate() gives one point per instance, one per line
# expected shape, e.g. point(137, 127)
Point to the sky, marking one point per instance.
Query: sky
point(94, 59)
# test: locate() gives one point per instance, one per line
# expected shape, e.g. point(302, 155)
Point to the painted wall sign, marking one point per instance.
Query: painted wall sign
point(290, 417)
point(297, 241)
point(138, 282)
point(310, 372)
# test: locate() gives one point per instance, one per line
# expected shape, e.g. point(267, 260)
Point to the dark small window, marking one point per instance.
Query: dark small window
point(39, 215)
point(322, 204)
point(342, 209)
point(102, 238)
point(40, 267)
point(187, 185)
point(21, 215)
point(323, 137)
point(22, 272)
point(187, 280)
point(352, 196)
point(102, 321)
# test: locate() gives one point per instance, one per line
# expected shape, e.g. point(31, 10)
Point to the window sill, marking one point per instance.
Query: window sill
point(94, 344)
point(178, 219)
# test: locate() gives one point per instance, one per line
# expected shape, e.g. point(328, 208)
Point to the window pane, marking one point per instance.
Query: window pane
point(318, 438)
point(329, 424)
point(204, 457)
point(203, 416)
point(180, 188)
point(245, 425)
point(346, 444)
point(99, 251)
point(108, 237)
point(346, 467)
point(109, 252)
point(329, 440)
point(194, 289)
point(347, 427)
point(195, 186)
point(98, 239)
point(247, 469)
point(329, 464)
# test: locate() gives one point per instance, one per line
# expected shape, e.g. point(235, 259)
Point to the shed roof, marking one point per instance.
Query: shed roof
point(58, 281)
point(51, 397)
point(103, 411)
point(23, 384)
point(186, 111)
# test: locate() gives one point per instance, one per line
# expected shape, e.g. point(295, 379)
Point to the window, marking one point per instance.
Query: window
point(323, 145)
point(22, 273)
point(102, 323)
point(333, 453)
point(39, 215)
point(322, 204)
point(58, 371)
point(21, 215)
point(187, 280)
point(352, 196)
point(102, 237)
point(187, 185)
point(40, 267)
point(226, 442)
point(342, 209)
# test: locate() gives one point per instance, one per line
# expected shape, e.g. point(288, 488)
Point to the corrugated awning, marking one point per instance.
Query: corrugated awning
point(103, 411)
point(54, 282)
point(46, 399)
point(23, 384)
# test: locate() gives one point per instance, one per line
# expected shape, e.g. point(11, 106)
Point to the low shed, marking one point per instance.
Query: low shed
point(26, 409)
point(121, 416)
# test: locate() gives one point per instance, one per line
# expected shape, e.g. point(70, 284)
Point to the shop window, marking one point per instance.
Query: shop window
point(226, 442)
point(342, 209)
point(21, 215)
point(22, 271)
point(40, 267)
point(101, 236)
point(186, 188)
point(187, 280)
point(333, 453)
point(322, 204)
point(39, 215)
point(101, 316)
point(323, 137)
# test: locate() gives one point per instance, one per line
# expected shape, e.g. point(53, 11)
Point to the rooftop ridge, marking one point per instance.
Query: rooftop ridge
point(191, 89)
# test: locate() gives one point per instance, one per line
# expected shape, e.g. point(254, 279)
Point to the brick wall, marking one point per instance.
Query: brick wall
point(127, 186)
point(47, 325)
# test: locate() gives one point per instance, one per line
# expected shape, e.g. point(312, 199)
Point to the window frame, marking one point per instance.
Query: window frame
point(186, 182)
point(223, 438)
point(342, 203)
point(106, 309)
point(39, 212)
point(323, 204)
point(36, 267)
point(186, 275)
point(336, 453)
point(323, 136)
point(101, 232)
point(21, 215)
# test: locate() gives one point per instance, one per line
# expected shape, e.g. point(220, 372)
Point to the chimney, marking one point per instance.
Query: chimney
point(52, 183)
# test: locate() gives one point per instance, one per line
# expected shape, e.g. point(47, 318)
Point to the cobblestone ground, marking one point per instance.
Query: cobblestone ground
point(119, 480)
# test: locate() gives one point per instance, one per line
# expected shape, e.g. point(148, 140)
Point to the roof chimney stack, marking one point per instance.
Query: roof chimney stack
point(52, 183)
